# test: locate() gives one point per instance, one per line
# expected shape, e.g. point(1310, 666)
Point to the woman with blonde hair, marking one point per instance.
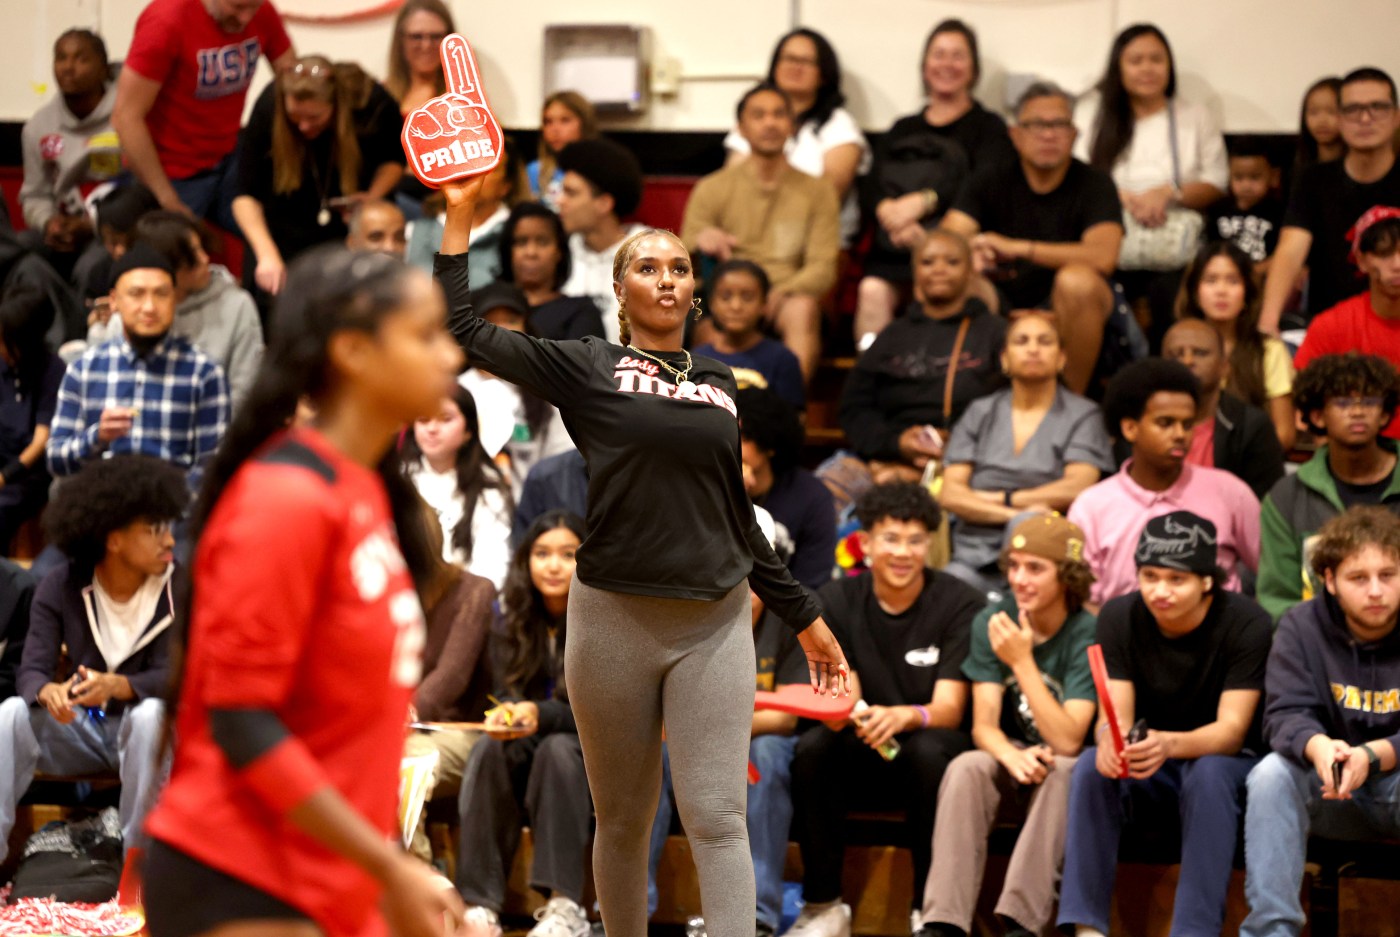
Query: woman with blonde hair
point(320, 138)
point(566, 118)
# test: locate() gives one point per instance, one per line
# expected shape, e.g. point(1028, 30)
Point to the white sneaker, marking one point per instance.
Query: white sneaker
point(481, 922)
point(832, 919)
point(561, 917)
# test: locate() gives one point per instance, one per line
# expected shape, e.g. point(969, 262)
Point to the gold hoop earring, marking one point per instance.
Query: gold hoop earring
point(695, 308)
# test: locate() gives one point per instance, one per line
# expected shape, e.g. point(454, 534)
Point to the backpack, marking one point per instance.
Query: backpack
point(79, 860)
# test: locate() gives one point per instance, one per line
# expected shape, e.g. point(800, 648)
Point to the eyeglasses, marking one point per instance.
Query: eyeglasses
point(917, 543)
point(1047, 126)
point(785, 59)
point(1378, 110)
point(420, 38)
point(1351, 403)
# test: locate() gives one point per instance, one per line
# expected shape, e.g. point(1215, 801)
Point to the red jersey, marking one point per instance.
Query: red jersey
point(204, 75)
point(302, 606)
point(1352, 325)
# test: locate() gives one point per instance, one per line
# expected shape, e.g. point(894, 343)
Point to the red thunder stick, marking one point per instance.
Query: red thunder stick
point(454, 135)
point(1110, 715)
point(797, 698)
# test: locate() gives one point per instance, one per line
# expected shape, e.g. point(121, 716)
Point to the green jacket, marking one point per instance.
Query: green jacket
point(1292, 512)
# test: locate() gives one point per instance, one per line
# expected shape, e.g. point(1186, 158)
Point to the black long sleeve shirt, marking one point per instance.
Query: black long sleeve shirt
point(667, 512)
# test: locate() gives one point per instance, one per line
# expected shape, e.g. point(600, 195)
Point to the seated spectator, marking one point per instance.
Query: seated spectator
point(29, 378)
point(909, 388)
point(95, 660)
point(517, 427)
point(444, 459)
point(1332, 769)
point(738, 297)
point(1046, 228)
point(1345, 400)
point(559, 482)
point(377, 225)
point(1218, 288)
point(535, 257)
point(212, 311)
point(68, 147)
point(1151, 405)
point(921, 165)
point(780, 662)
point(456, 684)
point(1186, 664)
point(905, 631)
point(1327, 200)
point(764, 210)
point(501, 189)
point(1033, 446)
point(180, 98)
point(528, 770)
point(1228, 433)
point(1370, 322)
point(1167, 157)
point(318, 139)
point(1319, 126)
point(827, 142)
point(771, 438)
point(117, 213)
point(16, 593)
point(1032, 704)
point(566, 117)
point(415, 76)
point(149, 391)
point(602, 184)
point(1248, 215)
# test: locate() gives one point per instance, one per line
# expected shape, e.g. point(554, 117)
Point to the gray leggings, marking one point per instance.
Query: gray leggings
point(633, 661)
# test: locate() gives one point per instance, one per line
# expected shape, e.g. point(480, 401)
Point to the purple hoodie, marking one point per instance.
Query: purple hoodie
point(1320, 679)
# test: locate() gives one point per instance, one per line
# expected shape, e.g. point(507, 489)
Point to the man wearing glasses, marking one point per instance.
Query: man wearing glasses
point(1045, 230)
point(1329, 198)
point(1347, 399)
point(180, 97)
point(95, 658)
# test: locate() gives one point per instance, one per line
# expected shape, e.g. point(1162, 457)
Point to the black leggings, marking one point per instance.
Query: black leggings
point(184, 897)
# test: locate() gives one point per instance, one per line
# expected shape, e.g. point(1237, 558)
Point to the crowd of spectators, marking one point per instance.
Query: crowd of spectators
point(1115, 384)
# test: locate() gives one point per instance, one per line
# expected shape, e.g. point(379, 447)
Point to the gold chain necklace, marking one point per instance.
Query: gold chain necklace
point(683, 382)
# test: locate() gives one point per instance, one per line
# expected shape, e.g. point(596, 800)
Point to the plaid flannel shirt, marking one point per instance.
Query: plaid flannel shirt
point(179, 394)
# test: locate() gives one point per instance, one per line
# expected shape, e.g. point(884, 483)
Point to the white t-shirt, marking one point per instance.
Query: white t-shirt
point(490, 522)
point(118, 626)
point(1147, 161)
point(807, 151)
point(592, 276)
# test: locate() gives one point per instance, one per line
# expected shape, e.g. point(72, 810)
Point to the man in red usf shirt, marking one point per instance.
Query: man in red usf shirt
point(180, 97)
point(1368, 323)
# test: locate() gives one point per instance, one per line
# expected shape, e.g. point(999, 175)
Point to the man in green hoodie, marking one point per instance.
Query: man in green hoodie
point(1348, 399)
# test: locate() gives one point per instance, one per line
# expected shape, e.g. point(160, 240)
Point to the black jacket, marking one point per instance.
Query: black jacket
point(1246, 445)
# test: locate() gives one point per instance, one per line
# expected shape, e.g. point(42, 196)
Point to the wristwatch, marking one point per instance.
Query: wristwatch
point(1373, 760)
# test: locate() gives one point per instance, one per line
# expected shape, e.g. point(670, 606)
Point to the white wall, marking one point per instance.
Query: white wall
point(1250, 58)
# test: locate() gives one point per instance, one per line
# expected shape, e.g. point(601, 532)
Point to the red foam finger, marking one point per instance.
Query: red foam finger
point(798, 699)
point(455, 135)
point(1100, 671)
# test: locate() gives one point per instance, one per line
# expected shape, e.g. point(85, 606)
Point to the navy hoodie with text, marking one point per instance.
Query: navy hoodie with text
point(1320, 679)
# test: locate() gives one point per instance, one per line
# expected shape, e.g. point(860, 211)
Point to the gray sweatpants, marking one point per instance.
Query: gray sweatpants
point(633, 662)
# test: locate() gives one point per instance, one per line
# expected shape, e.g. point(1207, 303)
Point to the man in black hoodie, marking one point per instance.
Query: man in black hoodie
point(1332, 717)
point(94, 663)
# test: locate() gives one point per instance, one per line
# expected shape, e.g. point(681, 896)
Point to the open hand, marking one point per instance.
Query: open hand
point(826, 664)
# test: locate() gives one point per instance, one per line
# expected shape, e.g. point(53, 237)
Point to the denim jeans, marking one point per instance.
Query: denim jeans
point(769, 822)
point(1285, 805)
point(210, 193)
point(127, 744)
point(1206, 793)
